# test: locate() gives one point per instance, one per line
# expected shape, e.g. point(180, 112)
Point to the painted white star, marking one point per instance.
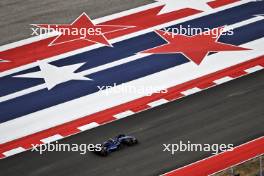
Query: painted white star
point(56, 75)
point(173, 5)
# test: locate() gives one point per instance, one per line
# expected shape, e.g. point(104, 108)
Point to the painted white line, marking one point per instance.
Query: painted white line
point(51, 139)
point(124, 114)
point(191, 91)
point(27, 41)
point(223, 80)
point(92, 103)
point(254, 69)
point(23, 92)
point(158, 102)
point(88, 126)
point(14, 151)
point(126, 13)
point(114, 64)
point(118, 39)
point(244, 23)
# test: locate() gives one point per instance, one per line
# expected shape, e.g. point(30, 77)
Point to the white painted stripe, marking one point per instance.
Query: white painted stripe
point(254, 69)
point(244, 23)
point(23, 92)
point(125, 37)
point(124, 114)
point(127, 12)
point(88, 126)
point(191, 91)
point(27, 41)
point(96, 102)
point(51, 139)
point(14, 151)
point(223, 80)
point(158, 102)
point(114, 64)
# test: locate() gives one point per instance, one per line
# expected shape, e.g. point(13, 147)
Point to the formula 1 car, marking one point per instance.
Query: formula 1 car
point(116, 143)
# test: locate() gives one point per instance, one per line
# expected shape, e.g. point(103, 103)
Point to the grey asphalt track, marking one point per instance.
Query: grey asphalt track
point(17, 15)
point(230, 113)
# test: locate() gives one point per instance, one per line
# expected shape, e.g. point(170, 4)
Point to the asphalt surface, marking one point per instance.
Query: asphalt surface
point(231, 114)
point(17, 15)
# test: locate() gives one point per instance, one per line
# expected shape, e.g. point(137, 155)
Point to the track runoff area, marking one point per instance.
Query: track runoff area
point(245, 56)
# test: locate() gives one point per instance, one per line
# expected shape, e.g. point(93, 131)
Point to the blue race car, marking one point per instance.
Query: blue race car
point(116, 143)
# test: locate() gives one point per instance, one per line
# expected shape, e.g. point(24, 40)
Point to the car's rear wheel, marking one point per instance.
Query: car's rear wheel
point(135, 141)
point(104, 152)
point(121, 135)
point(119, 146)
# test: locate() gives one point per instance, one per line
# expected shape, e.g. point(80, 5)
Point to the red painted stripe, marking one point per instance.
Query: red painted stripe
point(219, 3)
point(142, 20)
point(238, 74)
point(139, 108)
point(1, 155)
point(136, 105)
point(222, 161)
point(173, 96)
point(28, 146)
point(206, 85)
point(70, 132)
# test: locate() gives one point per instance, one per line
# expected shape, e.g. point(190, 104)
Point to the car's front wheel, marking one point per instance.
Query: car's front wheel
point(131, 142)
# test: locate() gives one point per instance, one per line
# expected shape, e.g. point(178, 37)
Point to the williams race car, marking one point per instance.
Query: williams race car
point(116, 143)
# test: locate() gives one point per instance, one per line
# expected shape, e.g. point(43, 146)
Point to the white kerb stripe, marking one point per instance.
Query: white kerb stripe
point(51, 138)
point(124, 114)
point(223, 80)
point(191, 91)
point(254, 69)
point(158, 102)
point(88, 126)
point(14, 151)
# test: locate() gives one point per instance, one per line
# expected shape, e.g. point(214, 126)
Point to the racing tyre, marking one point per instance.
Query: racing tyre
point(132, 142)
point(104, 152)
